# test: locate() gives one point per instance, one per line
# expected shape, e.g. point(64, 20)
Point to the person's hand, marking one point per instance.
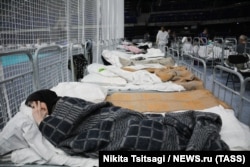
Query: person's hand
point(39, 111)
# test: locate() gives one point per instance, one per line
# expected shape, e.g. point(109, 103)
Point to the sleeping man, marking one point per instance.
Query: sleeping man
point(84, 128)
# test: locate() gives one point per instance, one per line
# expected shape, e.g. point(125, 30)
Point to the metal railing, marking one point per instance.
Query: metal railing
point(225, 93)
point(17, 81)
point(22, 73)
point(196, 65)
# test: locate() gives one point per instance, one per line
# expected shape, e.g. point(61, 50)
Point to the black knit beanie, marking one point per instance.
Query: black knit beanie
point(47, 96)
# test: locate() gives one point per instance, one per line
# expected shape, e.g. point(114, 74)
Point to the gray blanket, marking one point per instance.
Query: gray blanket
point(84, 128)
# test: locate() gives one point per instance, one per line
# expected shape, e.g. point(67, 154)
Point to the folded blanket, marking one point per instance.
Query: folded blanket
point(83, 128)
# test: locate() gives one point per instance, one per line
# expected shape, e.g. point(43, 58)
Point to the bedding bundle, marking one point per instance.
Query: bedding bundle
point(116, 78)
point(121, 59)
point(143, 77)
point(179, 75)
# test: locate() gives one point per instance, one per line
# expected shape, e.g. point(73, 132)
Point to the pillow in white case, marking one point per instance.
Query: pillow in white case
point(86, 91)
point(103, 80)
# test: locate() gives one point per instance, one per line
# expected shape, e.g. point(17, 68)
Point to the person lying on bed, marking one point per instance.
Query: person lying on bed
point(84, 128)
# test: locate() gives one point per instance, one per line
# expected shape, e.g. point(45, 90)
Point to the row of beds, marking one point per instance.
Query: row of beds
point(213, 52)
point(148, 81)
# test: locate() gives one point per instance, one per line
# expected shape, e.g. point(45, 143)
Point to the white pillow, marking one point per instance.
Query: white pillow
point(104, 80)
point(86, 91)
point(116, 58)
point(100, 69)
point(26, 110)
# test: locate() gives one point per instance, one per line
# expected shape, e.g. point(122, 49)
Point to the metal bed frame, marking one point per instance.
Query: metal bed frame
point(219, 42)
point(40, 68)
point(189, 60)
point(231, 43)
point(44, 69)
point(196, 65)
point(9, 99)
point(174, 53)
point(205, 44)
point(244, 98)
point(237, 99)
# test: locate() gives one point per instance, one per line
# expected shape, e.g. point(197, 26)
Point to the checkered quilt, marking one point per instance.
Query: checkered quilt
point(83, 128)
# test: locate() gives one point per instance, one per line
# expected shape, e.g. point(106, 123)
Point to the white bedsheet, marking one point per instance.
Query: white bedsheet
point(162, 87)
point(22, 136)
point(206, 51)
point(233, 132)
point(116, 58)
point(144, 66)
point(115, 78)
point(187, 48)
point(145, 43)
point(121, 59)
point(151, 53)
point(86, 91)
